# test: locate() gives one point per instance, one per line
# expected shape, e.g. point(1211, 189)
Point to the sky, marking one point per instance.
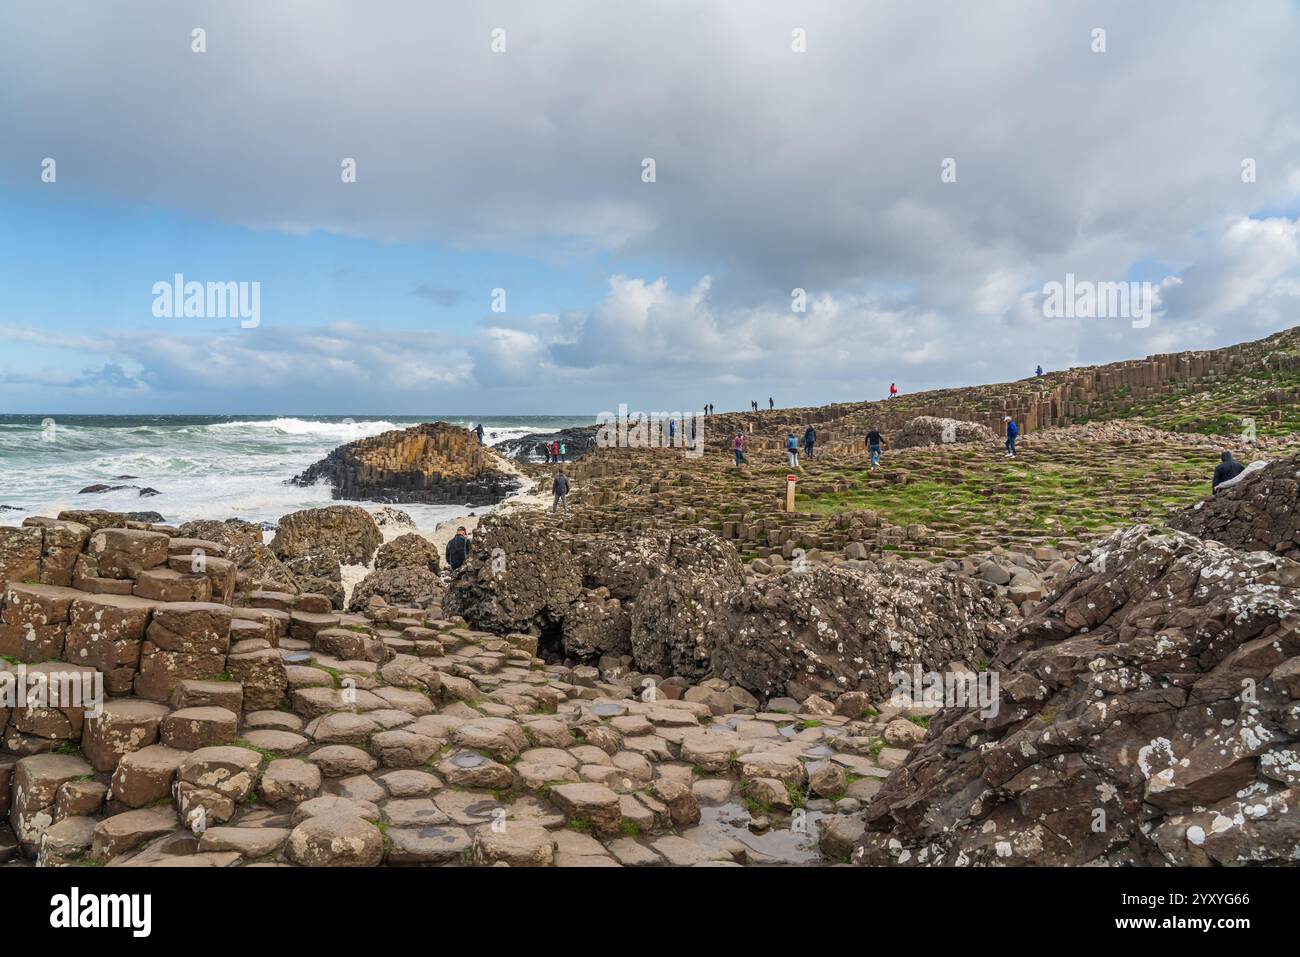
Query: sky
point(913, 174)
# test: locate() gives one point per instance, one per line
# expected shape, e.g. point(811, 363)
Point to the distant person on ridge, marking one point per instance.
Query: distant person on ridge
point(893, 390)
point(1039, 371)
point(1228, 468)
point(672, 431)
point(560, 489)
point(1013, 431)
point(874, 444)
point(792, 450)
point(770, 404)
point(457, 549)
point(739, 447)
point(809, 440)
point(479, 430)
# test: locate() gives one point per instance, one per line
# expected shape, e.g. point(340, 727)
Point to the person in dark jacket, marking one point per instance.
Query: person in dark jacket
point(809, 440)
point(560, 489)
point(478, 429)
point(457, 549)
point(1228, 468)
point(875, 442)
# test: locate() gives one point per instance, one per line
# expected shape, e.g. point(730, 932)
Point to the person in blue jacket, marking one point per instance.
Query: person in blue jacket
point(792, 450)
point(1012, 434)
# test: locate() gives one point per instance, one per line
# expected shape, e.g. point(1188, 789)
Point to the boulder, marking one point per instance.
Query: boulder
point(933, 430)
point(345, 533)
point(404, 587)
point(409, 551)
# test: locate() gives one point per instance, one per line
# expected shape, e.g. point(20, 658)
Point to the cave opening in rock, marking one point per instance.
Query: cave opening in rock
point(550, 644)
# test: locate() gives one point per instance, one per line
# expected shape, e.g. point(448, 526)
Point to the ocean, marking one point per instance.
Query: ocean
point(203, 466)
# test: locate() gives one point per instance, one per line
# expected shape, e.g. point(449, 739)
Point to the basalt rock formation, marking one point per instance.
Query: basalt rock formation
point(1148, 713)
point(932, 430)
point(1261, 512)
point(432, 463)
point(577, 442)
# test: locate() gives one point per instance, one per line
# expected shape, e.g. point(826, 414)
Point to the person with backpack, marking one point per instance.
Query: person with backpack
point(792, 450)
point(457, 549)
point(739, 447)
point(560, 489)
point(809, 440)
point(1013, 431)
point(875, 442)
point(1228, 468)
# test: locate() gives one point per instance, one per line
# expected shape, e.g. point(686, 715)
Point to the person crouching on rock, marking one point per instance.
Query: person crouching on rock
point(1228, 468)
point(560, 489)
point(1012, 432)
point(458, 549)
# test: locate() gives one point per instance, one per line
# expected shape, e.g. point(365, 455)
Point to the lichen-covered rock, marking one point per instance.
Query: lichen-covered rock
point(231, 532)
point(626, 564)
point(518, 577)
point(1257, 513)
point(407, 587)
point(595, 626)
point(409, 551)
point(319, 575)
point(1147, 714)
point(678, 620)
point(933, 430)
point(345, 533)
point(257, 569)
point(830, 630)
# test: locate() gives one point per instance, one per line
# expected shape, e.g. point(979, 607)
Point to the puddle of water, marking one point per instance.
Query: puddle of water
point(483, 808)
point(468, 759)
point(780, 844)
point(818, 751)
point(297, 658)
point(607, 709)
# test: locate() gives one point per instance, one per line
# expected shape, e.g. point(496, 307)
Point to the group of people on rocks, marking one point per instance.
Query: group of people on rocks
point(554, 451)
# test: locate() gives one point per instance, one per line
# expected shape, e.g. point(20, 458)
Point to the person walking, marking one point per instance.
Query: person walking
point(560, 491)
point(770, 404)
point(738, 446)
point(1228, 468)
point(1013, 432)
point(875, 442)
point(478, 429)
point(893, 390)
point(457, 549)
point(792, 450)
point(809, 440)
point(672, 431)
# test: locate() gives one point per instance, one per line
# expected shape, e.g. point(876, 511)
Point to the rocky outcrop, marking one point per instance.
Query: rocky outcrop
point(577, 442)
point(404, 587)
point(517, 577)
point(231, 532)
point(1147, 714)
point(434, 462)
point(932, 430)
point(1260, 512)
point(813, 630)
point(409, 551)
point(345, 533)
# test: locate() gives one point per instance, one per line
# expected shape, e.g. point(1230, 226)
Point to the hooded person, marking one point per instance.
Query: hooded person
point(1228, 468)
point(457, 549)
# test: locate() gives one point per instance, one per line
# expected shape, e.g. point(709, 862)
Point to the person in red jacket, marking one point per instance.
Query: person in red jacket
point(893, 390)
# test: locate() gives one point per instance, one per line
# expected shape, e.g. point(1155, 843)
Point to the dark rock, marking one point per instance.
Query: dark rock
point(577, 442)
point(231, 532)
point(1258, 513)
point(405, 587)
point(1144, 717)
point(344, 533)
